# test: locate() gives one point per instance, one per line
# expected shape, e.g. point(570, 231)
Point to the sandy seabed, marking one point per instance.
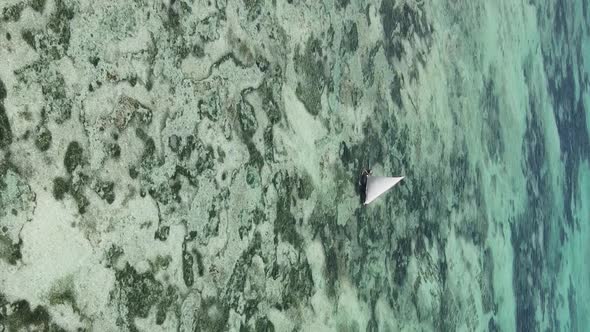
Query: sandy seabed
point(192, 165)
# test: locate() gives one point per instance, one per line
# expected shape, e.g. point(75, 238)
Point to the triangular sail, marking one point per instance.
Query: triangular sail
point(377, 185)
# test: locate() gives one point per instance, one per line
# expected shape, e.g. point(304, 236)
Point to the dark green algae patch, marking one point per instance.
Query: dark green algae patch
point(76, 186)
point(67, 185)
point(61, 187)
point(310, 65)
point(43, 138)
point(73, 157)
point(19, 316)
point(3, 92)
point(5, 130)
point(137, 293)
point(9, 251)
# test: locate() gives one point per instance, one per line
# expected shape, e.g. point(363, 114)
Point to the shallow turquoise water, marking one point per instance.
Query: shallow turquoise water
point(193, 165)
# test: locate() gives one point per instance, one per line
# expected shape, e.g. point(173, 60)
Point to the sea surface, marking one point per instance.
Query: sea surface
point(193, 165)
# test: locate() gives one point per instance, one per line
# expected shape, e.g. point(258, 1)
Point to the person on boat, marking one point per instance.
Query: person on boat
point(363, 183)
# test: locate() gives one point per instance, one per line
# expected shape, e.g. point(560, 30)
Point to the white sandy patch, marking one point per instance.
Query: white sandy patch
point(350, 308)
point(303, 133)
point(316, 261)
point(503, 256)
point(464, 269)
point(321, 305)
point(280, 321)
point(53, 250)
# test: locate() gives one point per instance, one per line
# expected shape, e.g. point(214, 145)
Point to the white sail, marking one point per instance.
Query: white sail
point(377, 185)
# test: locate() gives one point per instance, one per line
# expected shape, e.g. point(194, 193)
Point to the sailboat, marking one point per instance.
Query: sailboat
point(372, 187)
